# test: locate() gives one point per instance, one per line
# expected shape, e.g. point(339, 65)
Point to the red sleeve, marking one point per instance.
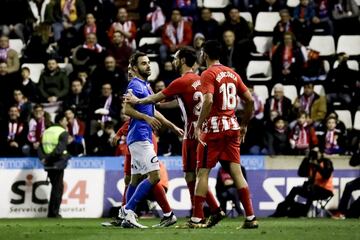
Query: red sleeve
point(173, 89)
point(207, 82)
point(187, 40)
point(123, 131)
point(314, 139)
point(165, 38)
point(81, 128)
point(111, 32)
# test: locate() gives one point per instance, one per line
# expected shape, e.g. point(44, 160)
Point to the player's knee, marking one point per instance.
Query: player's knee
point(127, 179)
point(154, 177)
point(190, 176)
point(203, 173)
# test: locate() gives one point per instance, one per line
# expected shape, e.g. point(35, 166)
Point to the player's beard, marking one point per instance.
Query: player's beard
point(144, 74)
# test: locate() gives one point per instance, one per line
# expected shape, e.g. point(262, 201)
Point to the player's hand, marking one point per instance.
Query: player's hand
point(198, 136)
point(153, 122)
point(114, 141)
point(178, 131)
point(130, 98)
point(243, 130)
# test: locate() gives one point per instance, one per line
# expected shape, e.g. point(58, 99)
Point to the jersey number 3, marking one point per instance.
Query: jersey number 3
point(228, 91)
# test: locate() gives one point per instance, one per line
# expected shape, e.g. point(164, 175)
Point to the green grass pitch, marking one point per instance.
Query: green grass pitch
point(73, 229)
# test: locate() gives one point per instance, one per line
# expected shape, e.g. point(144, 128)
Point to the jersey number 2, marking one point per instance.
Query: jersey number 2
point(228, 91)
point(199, 98)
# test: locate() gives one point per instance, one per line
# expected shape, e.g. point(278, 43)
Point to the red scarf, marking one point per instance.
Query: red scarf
point(89, 29)
point(287, 57)
point(15, 128)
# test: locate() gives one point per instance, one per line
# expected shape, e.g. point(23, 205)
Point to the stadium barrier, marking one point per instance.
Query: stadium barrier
point(94, 184)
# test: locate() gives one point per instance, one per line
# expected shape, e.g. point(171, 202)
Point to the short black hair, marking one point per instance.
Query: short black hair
point(189, 54)
point(60, 116)
point(25, 68)
point(213, 49)
point(134, 58)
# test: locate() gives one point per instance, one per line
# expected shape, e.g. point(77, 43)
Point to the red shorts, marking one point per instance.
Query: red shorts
point(223, 146)
point(189, 147)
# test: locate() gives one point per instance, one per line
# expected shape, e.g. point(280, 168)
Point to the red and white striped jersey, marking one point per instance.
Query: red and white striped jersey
point(225, 85)
point(187, 91)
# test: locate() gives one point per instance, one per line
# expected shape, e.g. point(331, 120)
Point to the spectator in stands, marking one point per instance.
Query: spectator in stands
point(313, 104)
point(198, 41)
point(38, 123)
point(314, 69)
point(108, 73)
point(167, 74)
point(76, 130)
point(302, 135)
point(278, 105)
point(322, 19)
point(341, 83)
point(319, 171)
point(154, 21)
point(332, 141)
point(13, 134)
point(13, 17)
point(125, 26)
point(120, 51)
point(53, 83)
point(77, 100)
point(105, 107)
point(41, 45)
point(103, 11)
point(89, 54)
point(23, 104)
point(238, 25)
point(207, 25)
point(27, 86)
point(277, 138)
point(340, 127)
point(346, 17)
point(8, 55)
point(176, 33)
point(236, 55)
point(100, 143)
point(7, 81)
point(270, 6)
point(91, 26)
point(303, 15)
point(287, 60)
point(68, 14)
point(284, 25)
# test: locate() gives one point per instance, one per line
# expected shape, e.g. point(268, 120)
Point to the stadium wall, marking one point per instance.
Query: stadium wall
point(94, 184)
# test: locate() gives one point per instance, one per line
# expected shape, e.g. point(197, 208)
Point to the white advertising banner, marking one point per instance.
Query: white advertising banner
point(25, 193)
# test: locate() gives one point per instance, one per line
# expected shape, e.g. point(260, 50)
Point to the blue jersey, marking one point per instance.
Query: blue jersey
point(140, 130)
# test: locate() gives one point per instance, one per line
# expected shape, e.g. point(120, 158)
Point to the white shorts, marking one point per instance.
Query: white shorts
point(143, 158)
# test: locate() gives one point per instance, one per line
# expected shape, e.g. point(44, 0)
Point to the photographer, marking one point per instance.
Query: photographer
point(318, 186)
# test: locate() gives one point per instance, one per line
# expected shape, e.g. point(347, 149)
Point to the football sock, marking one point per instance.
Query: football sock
point(191, 187)
point(198, 207)
point(140, 193)
point(129, 192)
point(211, 202)
point(160, 197)
point(244, 195)
point(124, 195)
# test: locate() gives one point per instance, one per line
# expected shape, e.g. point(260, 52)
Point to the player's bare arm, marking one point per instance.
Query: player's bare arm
point(248, 111)
point(168, 124)
point(204, 113)
point(154, 98)
point(168, 105)
point(133, 113)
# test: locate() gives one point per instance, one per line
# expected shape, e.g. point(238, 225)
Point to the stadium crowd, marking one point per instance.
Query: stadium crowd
point(85, 47)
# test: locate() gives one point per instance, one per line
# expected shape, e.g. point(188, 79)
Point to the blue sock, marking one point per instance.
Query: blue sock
point(141, 192)
point(130, 192)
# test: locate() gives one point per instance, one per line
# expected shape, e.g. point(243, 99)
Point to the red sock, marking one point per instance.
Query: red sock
point(244, 195)
point(191, 187)
point(211, 201)
point(160, 197)
point(198, 206)
point(124, 196)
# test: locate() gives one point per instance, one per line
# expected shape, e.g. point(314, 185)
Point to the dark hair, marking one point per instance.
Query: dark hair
point(25, 68)
point(38, 106)
point(189, 54)
point(134, 58)
point(109, 124)
point(302, 112)
point(308, 84)
point(213, 49)
point(77, 80)
point(60, 116)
